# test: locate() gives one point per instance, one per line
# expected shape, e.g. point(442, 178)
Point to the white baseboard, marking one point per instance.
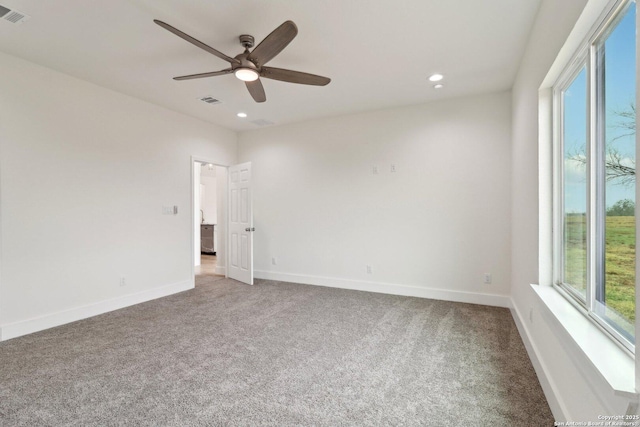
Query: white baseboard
point(558, 408)
point(221, 270)
point(389, 288)
point(24, 327)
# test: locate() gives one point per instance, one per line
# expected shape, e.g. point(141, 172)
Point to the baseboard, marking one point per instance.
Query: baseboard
point(389, 288)
point(221, 270)
point(24, 327)
point(558, 408)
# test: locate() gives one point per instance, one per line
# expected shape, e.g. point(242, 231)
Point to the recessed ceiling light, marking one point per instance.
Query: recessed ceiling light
point(438, 86)
point(436, 77)
point(242, 115)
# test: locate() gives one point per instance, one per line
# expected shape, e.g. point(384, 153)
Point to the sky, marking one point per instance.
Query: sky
point(620, 83)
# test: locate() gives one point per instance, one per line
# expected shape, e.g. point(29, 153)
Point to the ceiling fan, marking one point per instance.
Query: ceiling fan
point(249, 66)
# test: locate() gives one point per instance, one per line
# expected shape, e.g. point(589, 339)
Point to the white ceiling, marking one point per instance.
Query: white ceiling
point(378, 53)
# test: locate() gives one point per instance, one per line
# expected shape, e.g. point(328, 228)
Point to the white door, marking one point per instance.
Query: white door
point(240, 224)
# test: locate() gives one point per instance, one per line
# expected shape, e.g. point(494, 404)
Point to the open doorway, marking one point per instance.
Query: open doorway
point(209, 220)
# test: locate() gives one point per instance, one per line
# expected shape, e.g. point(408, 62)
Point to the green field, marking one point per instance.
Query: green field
point(619, 263)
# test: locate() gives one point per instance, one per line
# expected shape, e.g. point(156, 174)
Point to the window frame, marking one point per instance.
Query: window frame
point(586, 56)
point(565, 80)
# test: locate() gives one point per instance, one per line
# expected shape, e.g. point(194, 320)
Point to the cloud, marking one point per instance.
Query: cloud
point(575, 169)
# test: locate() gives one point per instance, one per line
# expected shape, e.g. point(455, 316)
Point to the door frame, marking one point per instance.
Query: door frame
point(194, 160)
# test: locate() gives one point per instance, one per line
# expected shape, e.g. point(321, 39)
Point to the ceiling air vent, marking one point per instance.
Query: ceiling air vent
point(210, 100)
point(262, 122)
point(12, 16)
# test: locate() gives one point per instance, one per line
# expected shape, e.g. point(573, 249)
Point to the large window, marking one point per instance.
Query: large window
point(595, 182)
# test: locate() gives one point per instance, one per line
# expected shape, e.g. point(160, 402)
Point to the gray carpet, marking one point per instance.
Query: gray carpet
point(275, 354)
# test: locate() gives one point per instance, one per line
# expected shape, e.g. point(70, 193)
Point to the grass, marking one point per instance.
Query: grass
point(575, 257)
point(620, 272)
point(620, 253)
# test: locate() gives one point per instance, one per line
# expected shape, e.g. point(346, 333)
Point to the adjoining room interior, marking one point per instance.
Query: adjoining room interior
point(432, 205)
point(209, 183)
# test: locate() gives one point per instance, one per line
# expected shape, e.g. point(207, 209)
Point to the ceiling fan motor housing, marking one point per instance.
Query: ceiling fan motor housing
point(246, 41)
point(244, 62)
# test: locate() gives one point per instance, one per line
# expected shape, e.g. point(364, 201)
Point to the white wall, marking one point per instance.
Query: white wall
point(432, 228)
point(573, 394)
point(101, 167)
point(210, 199)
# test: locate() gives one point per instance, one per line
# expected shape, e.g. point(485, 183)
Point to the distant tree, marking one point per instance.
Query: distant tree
point(624, 207)
point(619, 169)
point(627, 121)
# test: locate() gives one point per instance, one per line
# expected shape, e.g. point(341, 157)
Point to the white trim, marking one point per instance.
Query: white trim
point(29, 326)
point(607, 367)
point(221, 270)
point(592, 15)
point(546, 186)
point(389, 288)
point(557, 405)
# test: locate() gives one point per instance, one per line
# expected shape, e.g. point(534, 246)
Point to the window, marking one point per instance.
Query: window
point(595, 161)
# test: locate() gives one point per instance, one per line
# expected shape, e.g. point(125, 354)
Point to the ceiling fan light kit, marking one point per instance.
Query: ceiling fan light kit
point(246, 74)
point(249, 66)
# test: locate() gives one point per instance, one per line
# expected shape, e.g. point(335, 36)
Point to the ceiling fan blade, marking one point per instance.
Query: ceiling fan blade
point(274, 43)
point(256, 90)
point(195, 42)
point(294, 76)
point(201, 75)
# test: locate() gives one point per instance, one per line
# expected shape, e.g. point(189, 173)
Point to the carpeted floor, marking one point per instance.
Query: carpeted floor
point(275, 354)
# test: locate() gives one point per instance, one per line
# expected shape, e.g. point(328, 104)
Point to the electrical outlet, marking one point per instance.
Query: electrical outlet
point(369, 269)
point(375, 170)
point(393, 168)
point(487, 278)
point(274, 261)
point(123, 282)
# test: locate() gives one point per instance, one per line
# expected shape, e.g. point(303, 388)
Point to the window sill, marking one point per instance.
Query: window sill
point(589, 345)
